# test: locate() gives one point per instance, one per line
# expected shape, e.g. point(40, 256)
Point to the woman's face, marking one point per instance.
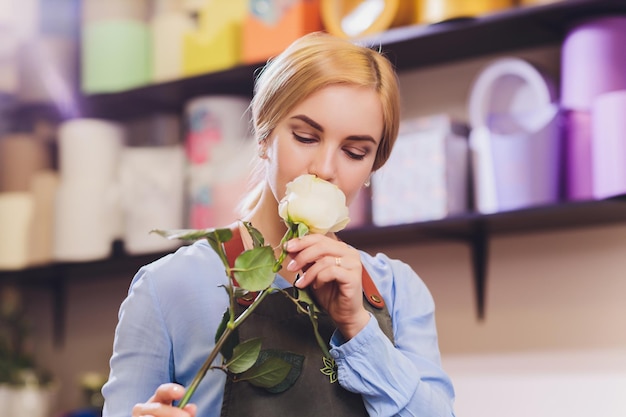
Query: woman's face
point(333, 134)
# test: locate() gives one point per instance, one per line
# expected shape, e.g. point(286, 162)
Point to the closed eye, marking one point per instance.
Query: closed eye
point(355, 156)
point(303, 139)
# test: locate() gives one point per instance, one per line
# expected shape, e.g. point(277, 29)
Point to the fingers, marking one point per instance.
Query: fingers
point(320, 252)
point(160, 404)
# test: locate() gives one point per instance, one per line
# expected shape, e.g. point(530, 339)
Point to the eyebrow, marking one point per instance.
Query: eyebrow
point(319, 127)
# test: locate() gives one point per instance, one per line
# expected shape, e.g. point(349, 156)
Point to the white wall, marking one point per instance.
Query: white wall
point(553, 342)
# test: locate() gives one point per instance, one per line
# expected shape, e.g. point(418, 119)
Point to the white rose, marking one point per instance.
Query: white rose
point(320, 205)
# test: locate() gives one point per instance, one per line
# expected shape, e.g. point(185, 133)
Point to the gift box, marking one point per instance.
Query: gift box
point(426, 176)
point(270, 26)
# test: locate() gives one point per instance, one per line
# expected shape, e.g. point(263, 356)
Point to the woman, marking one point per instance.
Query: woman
point(324, 107)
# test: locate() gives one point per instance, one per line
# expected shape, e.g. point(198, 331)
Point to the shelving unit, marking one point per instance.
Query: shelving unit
point(408, 48)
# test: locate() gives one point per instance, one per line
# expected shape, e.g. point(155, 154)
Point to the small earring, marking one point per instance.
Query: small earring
point(367, 183)
point(262, 154)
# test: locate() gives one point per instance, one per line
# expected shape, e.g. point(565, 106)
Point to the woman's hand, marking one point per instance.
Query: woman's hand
point(160, 404)
point(333, 270)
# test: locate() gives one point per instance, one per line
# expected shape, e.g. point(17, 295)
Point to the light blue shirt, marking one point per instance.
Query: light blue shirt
point(167, 326)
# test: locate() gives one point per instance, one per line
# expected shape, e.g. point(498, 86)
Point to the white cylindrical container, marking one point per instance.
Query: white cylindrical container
point(152, 195)
point(89, 149)
point(44, 187)
point(16, 215)
point(86, 221)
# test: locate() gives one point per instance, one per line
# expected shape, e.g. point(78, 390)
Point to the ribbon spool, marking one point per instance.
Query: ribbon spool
point(433, 11)
point(352, 18)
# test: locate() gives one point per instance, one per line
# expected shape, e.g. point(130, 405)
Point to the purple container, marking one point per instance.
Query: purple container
point(609, 144)
point(578, 164)
point(526, 164)
point(516, 137)
point(593, 61)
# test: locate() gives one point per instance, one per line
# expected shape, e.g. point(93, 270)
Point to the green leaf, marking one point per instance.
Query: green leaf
point(218, 237)
point(303, 229)
point(257, 238)
point(244, 356)
point(296, 361)
point(267, 374)
point(254, 268)
point(193, 234)
point(233, 339)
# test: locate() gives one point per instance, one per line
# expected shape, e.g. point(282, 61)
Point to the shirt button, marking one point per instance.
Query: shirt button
point(334, 354)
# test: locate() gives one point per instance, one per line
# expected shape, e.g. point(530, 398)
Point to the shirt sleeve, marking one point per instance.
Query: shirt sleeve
point(166, 329)
point(140, 362)
point(405, 379)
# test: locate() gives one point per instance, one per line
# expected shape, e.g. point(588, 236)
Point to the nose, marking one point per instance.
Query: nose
point(324, 165)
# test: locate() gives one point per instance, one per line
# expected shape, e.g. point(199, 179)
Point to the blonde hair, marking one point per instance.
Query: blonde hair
point(315, 61)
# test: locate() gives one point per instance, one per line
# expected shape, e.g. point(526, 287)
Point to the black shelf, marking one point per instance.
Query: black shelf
point(476, 230)
point(407, 47)
point(473, 229)
point(462, 228)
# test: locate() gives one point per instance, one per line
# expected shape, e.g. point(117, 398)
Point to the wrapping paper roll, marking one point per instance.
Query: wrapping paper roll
point(593, 61)
point(16, 214)
point(579, 171)
point(86, 221)
point(89, 149)
point(432, 11)
point(515, 138)
point(152, 196)
point(44, 187)
point(215, 190)
point(609, 144)
point(21, 156)
point(211, 120)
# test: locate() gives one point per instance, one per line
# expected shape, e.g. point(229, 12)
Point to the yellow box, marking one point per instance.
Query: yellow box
point(216, 44)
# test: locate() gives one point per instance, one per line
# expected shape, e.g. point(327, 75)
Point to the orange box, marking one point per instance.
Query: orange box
point(267, 34)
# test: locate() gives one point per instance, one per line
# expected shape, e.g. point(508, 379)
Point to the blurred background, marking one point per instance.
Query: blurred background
point(506, 191)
